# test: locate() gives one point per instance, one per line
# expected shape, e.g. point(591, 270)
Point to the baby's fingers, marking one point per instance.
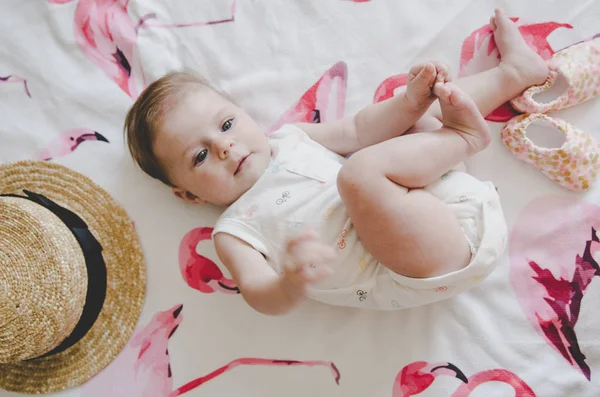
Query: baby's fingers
point(305, 234)
point(322, 252)
point(426, 72)
point(311, 275)
point(415, 70)
point(314, 254)
point(443, 72)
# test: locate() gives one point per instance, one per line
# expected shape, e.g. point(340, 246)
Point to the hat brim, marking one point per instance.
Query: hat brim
point(126, 278)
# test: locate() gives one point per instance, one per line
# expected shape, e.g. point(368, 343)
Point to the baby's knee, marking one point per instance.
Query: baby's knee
point(346, 180)
point(354, 173)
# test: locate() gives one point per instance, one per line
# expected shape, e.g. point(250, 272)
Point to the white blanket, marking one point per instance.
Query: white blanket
point(525, 328)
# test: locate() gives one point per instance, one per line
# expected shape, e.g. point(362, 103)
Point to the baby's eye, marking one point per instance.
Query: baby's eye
point(227, 125)
point(200, 157)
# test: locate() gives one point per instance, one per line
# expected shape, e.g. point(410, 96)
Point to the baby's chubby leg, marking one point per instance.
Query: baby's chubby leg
point(422, 93)
point(416, 160)
point(412, 232)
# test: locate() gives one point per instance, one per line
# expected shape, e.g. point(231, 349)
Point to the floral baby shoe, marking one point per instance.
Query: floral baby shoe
point(579, 64)
point(574, 165)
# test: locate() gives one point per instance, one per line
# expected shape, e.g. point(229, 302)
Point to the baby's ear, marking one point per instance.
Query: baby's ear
point(187, 196)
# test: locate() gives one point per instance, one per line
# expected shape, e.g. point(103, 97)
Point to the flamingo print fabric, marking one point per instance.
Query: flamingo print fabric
point(69, 71)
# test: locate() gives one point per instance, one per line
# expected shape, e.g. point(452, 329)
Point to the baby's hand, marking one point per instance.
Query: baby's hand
point(440, 72)
point(307, 258)
point(421, 80)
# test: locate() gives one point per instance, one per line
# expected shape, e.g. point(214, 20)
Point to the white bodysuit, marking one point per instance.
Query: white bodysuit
point(299, 187)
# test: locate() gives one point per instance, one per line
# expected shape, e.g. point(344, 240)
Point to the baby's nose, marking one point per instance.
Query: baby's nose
point(224, 147)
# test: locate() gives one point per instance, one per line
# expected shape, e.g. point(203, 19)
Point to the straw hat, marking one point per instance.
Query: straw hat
point(72, 278)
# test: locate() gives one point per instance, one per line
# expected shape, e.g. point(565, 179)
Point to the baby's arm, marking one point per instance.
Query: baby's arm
point(384, 120)
point(262, 288)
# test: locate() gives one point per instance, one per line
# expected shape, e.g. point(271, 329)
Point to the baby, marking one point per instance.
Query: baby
point(397, 224)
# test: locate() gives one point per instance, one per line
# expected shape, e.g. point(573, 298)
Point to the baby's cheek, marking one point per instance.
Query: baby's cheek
point(217, 184)
point(194, 182)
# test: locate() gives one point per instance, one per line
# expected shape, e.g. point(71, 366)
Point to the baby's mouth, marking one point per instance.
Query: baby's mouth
point(239, 167)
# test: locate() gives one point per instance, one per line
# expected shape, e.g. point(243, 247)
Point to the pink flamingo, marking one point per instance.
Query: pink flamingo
point(143, 368)
point(418, 376)
point(107, 36)
point(255, 361)
point(13, 78)
point(312, 106)
point(550, 274)
point(198, 271)
point(564, 297)
point(67, 142)
point(386, 89)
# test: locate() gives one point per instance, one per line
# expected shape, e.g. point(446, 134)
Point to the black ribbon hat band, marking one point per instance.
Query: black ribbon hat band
point(96, 268)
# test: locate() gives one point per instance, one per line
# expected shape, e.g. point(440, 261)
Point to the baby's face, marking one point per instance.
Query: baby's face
point(213, 151)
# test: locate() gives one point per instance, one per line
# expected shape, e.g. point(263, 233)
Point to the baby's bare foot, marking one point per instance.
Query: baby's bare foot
point(460, 114)
point(516, 57)
point(419, 90)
